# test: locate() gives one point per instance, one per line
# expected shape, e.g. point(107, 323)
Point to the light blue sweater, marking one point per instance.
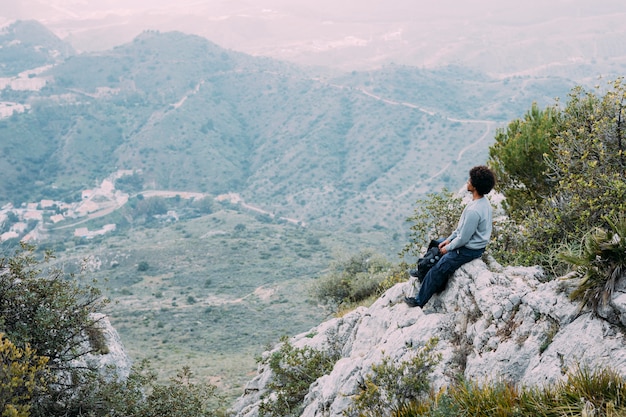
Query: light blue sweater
point(474, 229)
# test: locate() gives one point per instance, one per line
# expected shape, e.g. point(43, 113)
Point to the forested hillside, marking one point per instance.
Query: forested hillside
point(204, 191)
point(209, 282)
point(331, 149)
point(29, 45)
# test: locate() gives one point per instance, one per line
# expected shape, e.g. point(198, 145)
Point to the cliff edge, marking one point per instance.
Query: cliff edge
point(491, 323)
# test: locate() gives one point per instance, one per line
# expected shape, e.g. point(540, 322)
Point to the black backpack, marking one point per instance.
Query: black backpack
point(430, 258)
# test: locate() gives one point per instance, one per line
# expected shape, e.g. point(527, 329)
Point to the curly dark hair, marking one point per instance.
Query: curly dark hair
point(483, 179)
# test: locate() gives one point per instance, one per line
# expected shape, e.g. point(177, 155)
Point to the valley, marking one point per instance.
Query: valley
point(204, 190)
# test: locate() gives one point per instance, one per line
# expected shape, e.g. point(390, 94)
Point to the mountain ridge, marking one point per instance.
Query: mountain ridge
point(343, 153)
point(193, 116)
point(498, 39)
point(25, 45)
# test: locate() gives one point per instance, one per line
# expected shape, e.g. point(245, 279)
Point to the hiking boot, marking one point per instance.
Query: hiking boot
point(412, 302)
point(413, 273)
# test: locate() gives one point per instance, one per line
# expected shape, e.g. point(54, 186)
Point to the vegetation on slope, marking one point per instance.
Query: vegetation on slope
point(191, 116)
point(576, 182)
point(563, 175)
point(583, 393)
point(27, 45)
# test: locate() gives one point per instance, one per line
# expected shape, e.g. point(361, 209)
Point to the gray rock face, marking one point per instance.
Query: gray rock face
point(492, 323)
point(115, 359)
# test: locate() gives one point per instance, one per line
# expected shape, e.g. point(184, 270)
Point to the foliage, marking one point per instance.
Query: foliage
point(293, 371)
point(389, 386)
point(149, 207)
point(518, 159)
point(580, 178)
point(130, 184)
point(599, 393)
point(49, 326)
point(104, 394)
point(601, 261)
point(180, 398)
point(434, 216)
point(352, 279)
point(589, 162)
point(497, 399)
point(508, 243)
point(22, 375)
point(143, 266)
point(395, 275)
point(49, 312)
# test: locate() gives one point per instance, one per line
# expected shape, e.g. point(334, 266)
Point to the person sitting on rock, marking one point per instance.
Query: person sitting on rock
point(467, 242)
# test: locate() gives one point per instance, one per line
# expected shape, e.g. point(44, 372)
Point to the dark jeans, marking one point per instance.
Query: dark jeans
point(436, 279)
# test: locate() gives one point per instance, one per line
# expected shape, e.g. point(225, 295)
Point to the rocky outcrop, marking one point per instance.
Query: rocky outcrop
point(491, 323)
point(114, 361)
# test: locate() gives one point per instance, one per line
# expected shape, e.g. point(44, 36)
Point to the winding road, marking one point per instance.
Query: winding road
point(489, 128)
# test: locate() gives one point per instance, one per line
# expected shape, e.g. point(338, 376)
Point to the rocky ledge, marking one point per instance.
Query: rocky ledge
point(491, 323)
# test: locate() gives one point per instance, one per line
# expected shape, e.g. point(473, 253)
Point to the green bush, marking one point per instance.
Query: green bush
point(352, 279)
point(140, 395)
point(293, 371)
point(130, 183)
point(563, 171)
point(50, 312)
point(180, 398)
point(397, 274)
point(389, 386)
point(601, 261)
point(434, 216)
point(518, 158)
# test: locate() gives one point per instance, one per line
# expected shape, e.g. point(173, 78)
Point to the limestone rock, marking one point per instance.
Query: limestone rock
point(115, 359)
point(492, 323)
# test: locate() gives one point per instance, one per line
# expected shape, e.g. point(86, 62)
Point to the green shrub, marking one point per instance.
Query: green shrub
point(130, 183)
point(563, 171)
point(395, 275)
point(389, 386)
point(140, 395)
point(352, 279)
point(180, 398)
point(518, 159)
point(22, 375)
point(434, 216)
point(601, 261)
point(50, 312)
point(293, 371)
point(600, 393)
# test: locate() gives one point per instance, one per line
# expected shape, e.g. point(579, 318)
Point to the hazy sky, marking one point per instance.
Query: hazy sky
point(354, 33)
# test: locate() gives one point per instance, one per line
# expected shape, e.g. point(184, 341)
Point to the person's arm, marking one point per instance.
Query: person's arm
point(442, 246)
point(467, 228)
point(452, 236)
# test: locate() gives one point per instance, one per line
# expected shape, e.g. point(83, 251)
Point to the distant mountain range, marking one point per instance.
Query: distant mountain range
point(335, 150)
point(347, 154)
point(501, 38)
point(27, 45)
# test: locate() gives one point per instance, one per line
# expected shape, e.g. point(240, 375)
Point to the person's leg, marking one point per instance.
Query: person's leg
point(436, 279)
point(415, 273)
